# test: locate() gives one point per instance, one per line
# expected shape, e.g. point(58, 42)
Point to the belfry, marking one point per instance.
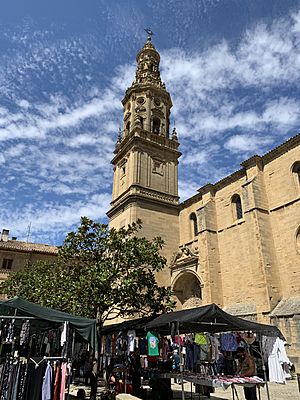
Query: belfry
point(235, 243)
point(145, 164)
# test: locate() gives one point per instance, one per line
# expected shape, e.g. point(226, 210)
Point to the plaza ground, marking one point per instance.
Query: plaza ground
point(289, 391)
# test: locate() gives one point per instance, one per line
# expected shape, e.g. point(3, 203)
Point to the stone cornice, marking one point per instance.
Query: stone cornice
point(143, 88)
point(138, 193)
point(257, 160)
point(139, 137)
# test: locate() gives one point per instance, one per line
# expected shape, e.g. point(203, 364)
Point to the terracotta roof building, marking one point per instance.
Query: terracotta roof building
point(15, 254)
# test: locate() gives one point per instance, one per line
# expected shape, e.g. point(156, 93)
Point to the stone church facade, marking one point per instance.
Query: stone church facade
point(235, 243)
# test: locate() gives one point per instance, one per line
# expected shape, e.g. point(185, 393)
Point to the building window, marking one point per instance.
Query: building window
point(298, 240)
point(193, 219)
point(156, 125)
point(142, 122)
point(123, 168)
point(7, 263)
point(128, 127)
point(296, 172)
point(237, 207)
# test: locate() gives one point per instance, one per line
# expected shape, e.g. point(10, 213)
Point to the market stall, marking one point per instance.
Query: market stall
point(184, 346)
point(37, 345)
point(211, 319)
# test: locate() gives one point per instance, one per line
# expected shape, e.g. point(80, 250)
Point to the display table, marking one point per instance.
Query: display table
point(216, 382)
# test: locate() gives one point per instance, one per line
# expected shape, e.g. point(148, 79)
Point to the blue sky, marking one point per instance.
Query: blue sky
point(232, 68)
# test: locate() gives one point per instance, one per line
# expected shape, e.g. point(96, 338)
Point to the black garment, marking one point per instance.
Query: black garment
point(22, 381)
point(34, 381)
point(93, 386)
point(250, 393)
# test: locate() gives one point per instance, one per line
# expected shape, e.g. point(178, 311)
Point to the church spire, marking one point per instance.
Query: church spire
point(147, 71)
point(146, 157)
point(147, 104)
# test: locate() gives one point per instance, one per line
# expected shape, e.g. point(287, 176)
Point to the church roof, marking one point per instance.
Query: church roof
point(241, 309)
point(287, 307)
point(16, 245)
point(264, 159)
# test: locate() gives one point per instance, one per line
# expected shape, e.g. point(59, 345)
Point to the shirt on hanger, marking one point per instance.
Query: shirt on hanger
point(152, 344)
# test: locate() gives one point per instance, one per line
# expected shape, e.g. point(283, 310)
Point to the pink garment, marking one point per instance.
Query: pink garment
point(178, 340)
point(63, 380)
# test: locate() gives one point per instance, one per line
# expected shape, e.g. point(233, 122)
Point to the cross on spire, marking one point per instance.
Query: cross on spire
point(149, 33)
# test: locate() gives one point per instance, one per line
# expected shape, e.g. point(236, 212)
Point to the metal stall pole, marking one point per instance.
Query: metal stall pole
point(264, 367)
point(181, 364)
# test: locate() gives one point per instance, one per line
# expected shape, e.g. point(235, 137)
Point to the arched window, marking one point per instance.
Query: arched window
point(156, 125)
point(237, 206)
point(193, 219)
point(298, 240)
point(296, 172)
point(142, 122)
point(128, 127)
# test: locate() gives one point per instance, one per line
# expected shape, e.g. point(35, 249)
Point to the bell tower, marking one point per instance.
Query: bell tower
point(146, 156)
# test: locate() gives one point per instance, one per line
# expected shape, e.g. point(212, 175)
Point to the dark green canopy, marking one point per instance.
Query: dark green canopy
point(209, 318)
point(46, 318)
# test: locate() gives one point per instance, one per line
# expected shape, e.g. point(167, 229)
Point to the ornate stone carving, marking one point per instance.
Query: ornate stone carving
point(184, 256)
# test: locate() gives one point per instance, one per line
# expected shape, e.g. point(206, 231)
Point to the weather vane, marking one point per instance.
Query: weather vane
point(149, 32)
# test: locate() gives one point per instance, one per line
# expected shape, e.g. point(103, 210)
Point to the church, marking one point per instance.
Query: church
point(236, 242)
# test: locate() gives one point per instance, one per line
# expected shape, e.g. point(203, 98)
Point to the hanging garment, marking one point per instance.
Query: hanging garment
point(57, 382)
point(248, 337)
point(229, 342)
point(200, 338)
point(15, 381)
point(276, 361)
point(22, 382)
point(189, 359)
point(63, 380)
point(178, 340)
point(34, 380)
point(6, 379)
point(267, 346)
point(63, 337)
point(152, 344)
point(47, 383)
point(108, 345)
point(214, 344)
point(164, 348)
point(131, 335)
point(143, 346)
point(10, 332)
point(24, 334)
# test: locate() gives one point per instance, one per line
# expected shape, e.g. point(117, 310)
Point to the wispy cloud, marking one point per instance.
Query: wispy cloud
point(247, 143)
point(59, 116)
point(241, 87)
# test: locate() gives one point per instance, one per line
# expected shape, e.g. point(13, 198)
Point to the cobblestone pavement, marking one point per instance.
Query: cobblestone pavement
point(277, 392)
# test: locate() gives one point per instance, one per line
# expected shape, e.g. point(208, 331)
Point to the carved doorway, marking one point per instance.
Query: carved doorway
point(187, 289)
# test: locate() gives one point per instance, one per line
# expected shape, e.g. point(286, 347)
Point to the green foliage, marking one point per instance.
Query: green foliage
point(99, 273)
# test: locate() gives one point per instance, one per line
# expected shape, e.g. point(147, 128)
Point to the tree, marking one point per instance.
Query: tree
point(99, 273)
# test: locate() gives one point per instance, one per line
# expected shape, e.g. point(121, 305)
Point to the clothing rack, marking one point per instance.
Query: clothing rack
point(45, 358)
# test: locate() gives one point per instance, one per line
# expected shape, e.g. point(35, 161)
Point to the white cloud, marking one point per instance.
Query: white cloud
point(247, 143)
point(54, 217)
point(240, 98)
point(213, 91)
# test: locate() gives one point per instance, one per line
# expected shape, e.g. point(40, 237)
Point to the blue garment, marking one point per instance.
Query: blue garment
point(197, 357)
point(189, 359)
point(228, 342)
point(47, 380)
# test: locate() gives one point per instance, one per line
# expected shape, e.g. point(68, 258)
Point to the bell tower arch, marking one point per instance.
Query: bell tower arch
point(145, 160)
